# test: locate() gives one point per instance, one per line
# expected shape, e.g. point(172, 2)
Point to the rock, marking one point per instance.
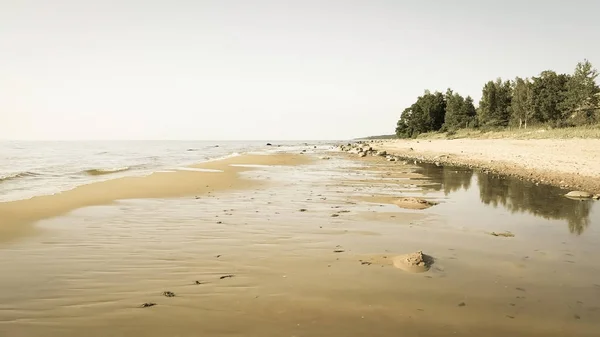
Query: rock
point(579, 195)
point(168, 294)
point(147, 305)
point(269, 144)
point(596, 197)
point(324, 158)
point(414, 203)
point(362, 154)
point(226, 276)
point(382, 153)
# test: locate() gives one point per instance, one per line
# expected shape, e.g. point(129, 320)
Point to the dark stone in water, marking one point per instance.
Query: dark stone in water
point(269, 144)
point(198, 282)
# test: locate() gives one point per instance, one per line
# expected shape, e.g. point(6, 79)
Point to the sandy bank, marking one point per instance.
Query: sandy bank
point(17, 216)
point(569, 163)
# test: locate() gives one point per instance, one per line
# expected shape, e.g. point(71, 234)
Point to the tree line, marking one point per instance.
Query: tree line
point(557, 100)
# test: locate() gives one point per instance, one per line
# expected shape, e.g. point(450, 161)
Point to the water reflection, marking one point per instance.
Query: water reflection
point(543, 201)
point(446, 178)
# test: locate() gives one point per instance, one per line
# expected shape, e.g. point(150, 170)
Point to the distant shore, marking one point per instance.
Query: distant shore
point(567, 163)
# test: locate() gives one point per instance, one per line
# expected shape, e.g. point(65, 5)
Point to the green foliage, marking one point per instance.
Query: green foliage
point(548, 94)
point(581, 98)
point(425, 115)
point(522, 102)
point(460, 111)
point(495, 104)
point(551, 99)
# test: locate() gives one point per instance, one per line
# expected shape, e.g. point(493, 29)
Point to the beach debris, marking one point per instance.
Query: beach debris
point(338, 250)
point(269, 144)
point(579, 195)
point(334, 215)
point(198, 282)
point(506, 234)
point(302, 209)
point(147, 305)
point(168, 294)
point(226, 276)
point(365, 263)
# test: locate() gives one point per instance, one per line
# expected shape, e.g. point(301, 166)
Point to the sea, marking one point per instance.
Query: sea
point(32, 168)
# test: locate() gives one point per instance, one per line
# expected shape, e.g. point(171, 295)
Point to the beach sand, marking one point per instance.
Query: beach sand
point(569, 163)
point(290, 249)
point(16, 217)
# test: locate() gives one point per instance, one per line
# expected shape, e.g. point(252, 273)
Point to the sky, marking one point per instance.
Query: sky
point(264, 70)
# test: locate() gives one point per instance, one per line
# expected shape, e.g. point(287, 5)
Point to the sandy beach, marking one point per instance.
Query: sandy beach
point(570, 163)
point(293, 244)
point(210, 177)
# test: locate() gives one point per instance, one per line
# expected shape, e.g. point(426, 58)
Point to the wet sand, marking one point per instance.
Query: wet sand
point(16, 217)
point(299, 272)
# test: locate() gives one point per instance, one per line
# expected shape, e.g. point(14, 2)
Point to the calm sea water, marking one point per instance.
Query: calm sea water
point(28, 169)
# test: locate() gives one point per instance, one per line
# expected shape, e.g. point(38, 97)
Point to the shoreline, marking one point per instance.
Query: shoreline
point(19, 216)
point(568, 164)
point(287, 246)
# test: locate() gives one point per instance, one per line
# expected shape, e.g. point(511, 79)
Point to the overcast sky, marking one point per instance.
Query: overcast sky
point(242, 69)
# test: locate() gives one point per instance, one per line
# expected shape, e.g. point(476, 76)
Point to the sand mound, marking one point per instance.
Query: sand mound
point(416, 262)
point(413, 203)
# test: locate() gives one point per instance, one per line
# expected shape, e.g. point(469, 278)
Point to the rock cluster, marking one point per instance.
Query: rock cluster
point(364, 149)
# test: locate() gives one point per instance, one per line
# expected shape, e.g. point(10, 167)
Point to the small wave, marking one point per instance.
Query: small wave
point(99, 172)
point(19, 175)
point(231, 155)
